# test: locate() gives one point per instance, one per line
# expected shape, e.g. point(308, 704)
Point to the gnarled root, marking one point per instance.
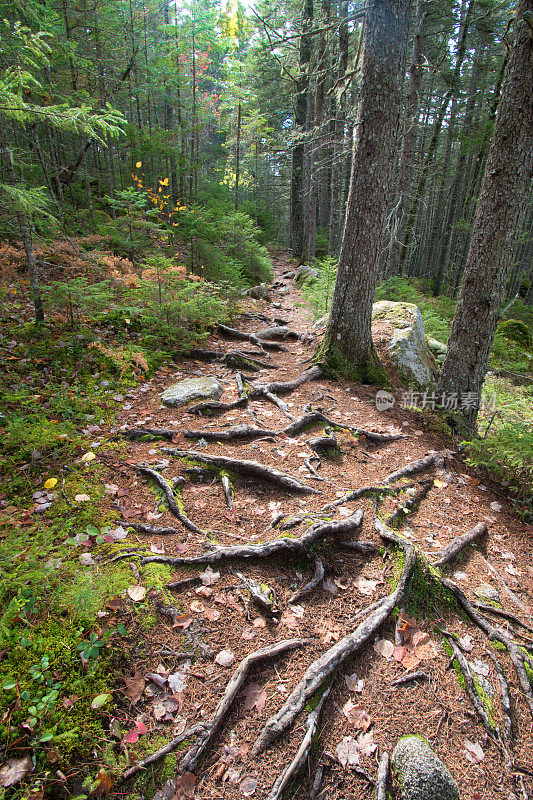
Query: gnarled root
point(171, 499)
point(450, 552)
point(284, 387)
point(311, 585)
point(244, 433)
point(382, 779)
point(217, 555)
point(415, 467)
point(213, 407)
point(321, 669)
point(252, 469)
point(302, 753)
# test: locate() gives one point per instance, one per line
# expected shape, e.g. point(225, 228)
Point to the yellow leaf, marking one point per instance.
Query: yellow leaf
point(139, 164)
point(439, 484)
point(88, 457)
point(50, 483)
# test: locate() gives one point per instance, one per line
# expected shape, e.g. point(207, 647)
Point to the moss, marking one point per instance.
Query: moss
point(486, 701)
point(455, 664)
point(368, 371)
point(498, 646)
point(517, 331)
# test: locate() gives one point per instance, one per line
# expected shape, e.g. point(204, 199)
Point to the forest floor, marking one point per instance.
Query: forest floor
point(364, 710)
point(214, 619)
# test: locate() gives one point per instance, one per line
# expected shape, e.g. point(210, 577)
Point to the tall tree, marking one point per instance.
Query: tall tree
point(348, 345)
point(505, 182)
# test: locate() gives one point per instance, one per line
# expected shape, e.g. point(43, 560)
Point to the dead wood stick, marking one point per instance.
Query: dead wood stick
point(471, 690)
point(171, 499)
point(500, 612)
point(410, 505)
point(506, 698)
point(236, 432)
point(415, 467)
point(285, 545)
point(298, 762)
point(251, 469)
point(275, 400)
point(515, 653)
point(183, 582)
point(157, 755)
point(383, 775)
point(321, 669)
point(216, 407)
point(228, 491)
point(412, 676)
point(311, 585)
point(453, 549)
point(189, 762)
point(312, 470)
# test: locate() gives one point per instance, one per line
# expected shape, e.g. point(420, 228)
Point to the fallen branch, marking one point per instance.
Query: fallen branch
point(261, 595)
point(233, 333)
point(171, 499)
point(298, 762)
point(153, 530)
point(458, 544)
point(251, 469)
point(228, 491)
point(276, 401)
point(412, 676)
point(157, 755)
point(285, 545)
point(189, 762)
point(321, 669)
point(311, 585)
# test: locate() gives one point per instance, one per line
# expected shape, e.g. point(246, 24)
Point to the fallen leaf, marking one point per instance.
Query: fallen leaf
point(158, 710)
point(357, 715)
point(212, 614)
point(365, 743)
point(365, 586)
point(82, 498)
point(50, 483)
point(248, 633)
point(177, 681)
point(254, 697)
point(329, 586)
point(480, 668)
point(423, 646)
point(354, 683)
point(136, 593)
point(225, 658)
point(88, 457)
point(182, 621)
point(474, 751)
point(248, 786)
point(496, 506)
point(347, 752)
point(197, 607)
point(466, 643)
point(14, 770)
point(341, 583)
point(209, 577)
point(185, 786)
point(384, 648)
point(134, 687)
point(99, 701)
point(439, 484)
point(155, 549)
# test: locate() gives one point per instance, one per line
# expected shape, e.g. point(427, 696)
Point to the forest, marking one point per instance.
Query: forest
point(266, 384)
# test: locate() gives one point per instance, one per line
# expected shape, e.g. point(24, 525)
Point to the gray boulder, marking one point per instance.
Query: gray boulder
point(260, 292)
point(179, 394)
point(277, 332)
point(421, 774)
point(407, 348)
point(305, 274)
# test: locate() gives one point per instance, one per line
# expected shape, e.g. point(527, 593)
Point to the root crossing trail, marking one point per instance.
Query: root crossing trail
point(332, 578)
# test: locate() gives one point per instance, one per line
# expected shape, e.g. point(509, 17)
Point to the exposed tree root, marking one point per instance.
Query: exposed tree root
point(284, 387)
point(317, 417)
point(364, 548)
point(326, 446)
point(183, 582)
point(410, 505)
point(262, 596)
point(471, 690)
point(415, 467)
point(241, 336)
point(153, 530)
point(134, 434)
point(321, 669)
point(299, 760)
point(156, 756)
point(382, 779)
point(288, 546)
point(500, 612)
point(244, 433)
point(213, 407)
point(251, 469)
point(171, 499)
point(506, 699)
point(458, 544)
point(412, 676)
point(276, 333)
point(312, 470)
point(190, 760)
point(311, 585)
point(276, 401)
point(228, 491)
point(496, 634)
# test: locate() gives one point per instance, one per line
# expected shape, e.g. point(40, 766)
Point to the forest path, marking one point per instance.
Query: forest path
point(217, 616)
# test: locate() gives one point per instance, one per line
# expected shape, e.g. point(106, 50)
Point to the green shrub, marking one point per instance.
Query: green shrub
point(320, 291)
point(517, 331)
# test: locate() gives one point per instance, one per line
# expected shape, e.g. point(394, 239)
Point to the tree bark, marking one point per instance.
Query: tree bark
point(348, 345)
point(507, 176)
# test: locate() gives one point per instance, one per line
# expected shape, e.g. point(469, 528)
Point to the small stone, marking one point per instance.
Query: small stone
point(179, 394)
point(420, 772)
point(487, 592)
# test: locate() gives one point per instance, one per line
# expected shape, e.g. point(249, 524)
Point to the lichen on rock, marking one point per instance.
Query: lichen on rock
point(420, 772)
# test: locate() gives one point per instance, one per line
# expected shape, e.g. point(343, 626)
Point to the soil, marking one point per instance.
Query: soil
point(439, 709)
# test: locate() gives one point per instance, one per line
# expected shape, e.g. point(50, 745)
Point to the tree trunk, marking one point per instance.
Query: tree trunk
point(348, 343)
point(507, 175)
point(300, 116)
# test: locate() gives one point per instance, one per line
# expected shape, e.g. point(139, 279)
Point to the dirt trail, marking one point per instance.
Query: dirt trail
point(220, 614)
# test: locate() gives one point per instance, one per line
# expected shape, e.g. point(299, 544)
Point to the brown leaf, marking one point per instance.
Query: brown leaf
point(15, 770)
point(134, 687)
point(357, 716)
point(212, 614)
point(254, 697)
point(248, 786)
point(474, 752)
point(115, 604)
point(185, 786)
